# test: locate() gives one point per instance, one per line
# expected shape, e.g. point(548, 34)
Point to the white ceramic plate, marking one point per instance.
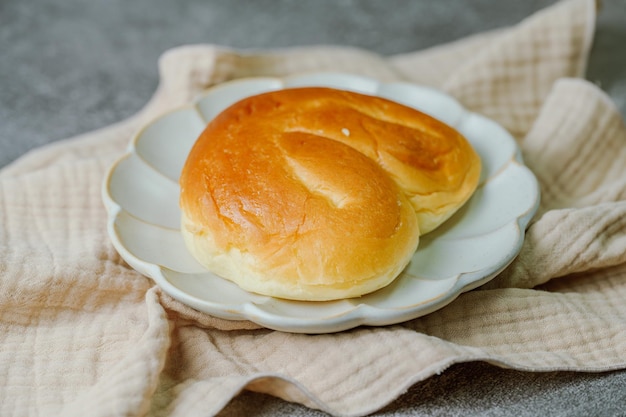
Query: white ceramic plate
point(141, 195)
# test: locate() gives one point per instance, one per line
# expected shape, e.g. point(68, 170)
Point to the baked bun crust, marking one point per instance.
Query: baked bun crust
point(319, 194)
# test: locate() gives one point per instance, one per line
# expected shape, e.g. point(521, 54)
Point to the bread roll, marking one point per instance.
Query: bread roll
point(319, 194)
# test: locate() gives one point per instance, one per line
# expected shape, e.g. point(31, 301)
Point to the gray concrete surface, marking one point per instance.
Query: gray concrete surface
point(71, 66)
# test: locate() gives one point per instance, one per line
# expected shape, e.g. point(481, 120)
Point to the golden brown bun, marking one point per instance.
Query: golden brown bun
point(319, 194)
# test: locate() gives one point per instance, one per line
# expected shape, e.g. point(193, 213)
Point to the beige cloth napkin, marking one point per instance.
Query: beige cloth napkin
point(83, 334)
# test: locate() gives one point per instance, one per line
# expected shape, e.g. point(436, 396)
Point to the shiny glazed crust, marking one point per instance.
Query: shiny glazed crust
point(320, 194)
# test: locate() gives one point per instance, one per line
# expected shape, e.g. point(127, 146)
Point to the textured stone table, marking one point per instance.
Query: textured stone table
point(69, 66)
